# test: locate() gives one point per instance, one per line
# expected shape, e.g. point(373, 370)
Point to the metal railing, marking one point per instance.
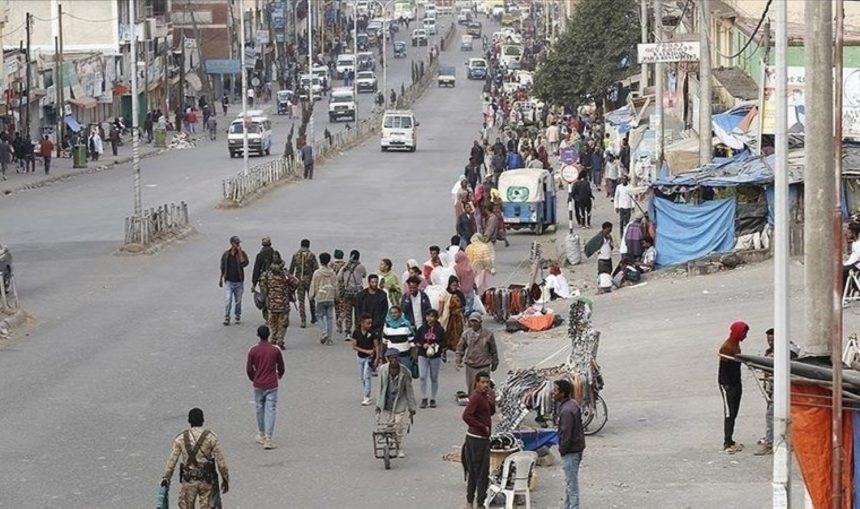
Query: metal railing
point(156, 223)
point(240, 188)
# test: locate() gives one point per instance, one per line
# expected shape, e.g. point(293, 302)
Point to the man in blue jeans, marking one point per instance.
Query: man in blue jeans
point(265, 366)
point(571, 440)
point(233, 263)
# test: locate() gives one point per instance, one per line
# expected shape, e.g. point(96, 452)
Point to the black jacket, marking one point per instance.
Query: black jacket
point(261, 263)
point(571, 435)
point(582, 192)
point(441, 340)
point(374, 304)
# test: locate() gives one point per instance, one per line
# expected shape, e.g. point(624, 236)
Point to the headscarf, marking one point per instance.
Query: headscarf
point(480, 253)
point(738, 332)
point(458, 293)
point(554, 269)
point(464, 272)
point(400, 322)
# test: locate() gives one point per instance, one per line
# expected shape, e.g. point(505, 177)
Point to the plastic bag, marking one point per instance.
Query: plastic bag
point(163, 500)
point(573, 249)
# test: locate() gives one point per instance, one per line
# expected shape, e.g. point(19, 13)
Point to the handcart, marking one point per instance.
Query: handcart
point(386, 444)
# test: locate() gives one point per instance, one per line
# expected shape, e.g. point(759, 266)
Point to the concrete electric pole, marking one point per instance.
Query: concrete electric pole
point(781, 486)
point(706, 148)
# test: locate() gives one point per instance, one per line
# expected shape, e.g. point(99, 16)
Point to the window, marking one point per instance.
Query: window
point(236, 128)
point(397, 122)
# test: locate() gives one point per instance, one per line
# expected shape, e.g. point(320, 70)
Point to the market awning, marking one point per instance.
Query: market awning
point(84, 102)
point(72, 122)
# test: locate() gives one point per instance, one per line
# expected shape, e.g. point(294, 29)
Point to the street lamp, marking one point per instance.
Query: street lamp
point(386, 24)
point(354, 5)
point(245, 117)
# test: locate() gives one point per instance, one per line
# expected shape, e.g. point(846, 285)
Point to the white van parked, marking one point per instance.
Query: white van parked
point(429, 24)
point(399, 130)
point(259, 134)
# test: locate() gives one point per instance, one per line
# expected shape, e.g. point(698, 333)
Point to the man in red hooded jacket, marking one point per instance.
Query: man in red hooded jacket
point(730, 384)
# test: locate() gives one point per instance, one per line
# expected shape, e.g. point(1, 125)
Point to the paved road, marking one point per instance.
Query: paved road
point(122, 347)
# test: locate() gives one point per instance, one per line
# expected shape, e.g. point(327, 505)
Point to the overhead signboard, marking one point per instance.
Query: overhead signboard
point(661, 52)
point(222, 66)
point(797, 101)
point(262, 37)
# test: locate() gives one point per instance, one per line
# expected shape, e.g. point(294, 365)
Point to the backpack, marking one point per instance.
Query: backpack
point(349, 293)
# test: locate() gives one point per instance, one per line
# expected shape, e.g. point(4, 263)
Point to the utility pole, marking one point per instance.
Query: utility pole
point(821, 242)
point(355, 56)
point(181, 103)
point(836, 256)
point(781, 485)
point(643, 21)
point(29, 23)
point(135, 135)
point(245, 117)
point(309, 135)
point(146, 40)
point(61, 85)
point(658, 80)
point(705, 139)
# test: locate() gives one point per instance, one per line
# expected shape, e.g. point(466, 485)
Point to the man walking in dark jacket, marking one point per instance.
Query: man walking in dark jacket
point(374, 302)
point(415, 304)
point(571, 440)
point(476, 450)
point(303, 265)
point(261, 262)
point(466, 226)
point(233, 263)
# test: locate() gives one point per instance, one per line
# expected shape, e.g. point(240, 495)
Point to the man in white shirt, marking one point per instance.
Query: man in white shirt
point(623, 203)
point(552, 136)
point(604, 254)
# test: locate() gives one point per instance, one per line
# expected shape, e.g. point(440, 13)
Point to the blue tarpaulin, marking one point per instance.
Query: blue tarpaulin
point(742, 169)
point(534, 440)
point(686, 232)
point(72, 122)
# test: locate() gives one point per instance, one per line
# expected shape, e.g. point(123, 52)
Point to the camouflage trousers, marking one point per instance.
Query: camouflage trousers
point(344, 311)
point(278, 323)
point(301, 292)
point(192, 491)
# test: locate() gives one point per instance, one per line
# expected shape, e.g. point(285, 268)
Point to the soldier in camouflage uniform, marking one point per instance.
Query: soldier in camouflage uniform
point(201, 454)
point(336, 264)
point(302, 266)
point(279, 290)
point(350, 281)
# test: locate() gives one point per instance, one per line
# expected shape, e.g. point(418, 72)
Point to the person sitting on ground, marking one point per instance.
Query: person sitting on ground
point(649, 257)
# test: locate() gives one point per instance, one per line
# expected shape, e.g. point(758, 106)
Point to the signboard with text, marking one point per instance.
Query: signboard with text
point(797, 101)
point(668, 52)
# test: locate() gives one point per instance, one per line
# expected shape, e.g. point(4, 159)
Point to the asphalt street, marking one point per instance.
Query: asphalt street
point(97, 386)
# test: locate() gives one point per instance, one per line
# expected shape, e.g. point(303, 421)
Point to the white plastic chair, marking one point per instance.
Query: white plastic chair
point(516, 484)
point(851, 292)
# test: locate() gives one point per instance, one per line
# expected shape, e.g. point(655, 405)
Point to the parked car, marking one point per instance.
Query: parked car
point(365, 81)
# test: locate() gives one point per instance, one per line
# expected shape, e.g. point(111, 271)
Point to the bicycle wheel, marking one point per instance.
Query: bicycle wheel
point(386, 457)
point(599, 414)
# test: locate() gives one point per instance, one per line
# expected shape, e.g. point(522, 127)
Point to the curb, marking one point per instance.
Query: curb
point(84, 171)
point(134, 249)
point(10, 324)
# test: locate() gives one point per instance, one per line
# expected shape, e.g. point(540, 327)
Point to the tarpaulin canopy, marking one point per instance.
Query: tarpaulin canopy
point(741, 169)
point(73, 123)
point(686, 232)
point(623, 115)
point(733, 127)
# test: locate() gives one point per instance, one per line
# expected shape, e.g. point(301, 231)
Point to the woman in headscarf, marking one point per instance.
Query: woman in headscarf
point(482, 257)
point(464, 272)
point(495, 230)
point(398, 334)
point(452, 307)
point(412, 269)
point(461, 196)
point(389, 282)
point(557, 284)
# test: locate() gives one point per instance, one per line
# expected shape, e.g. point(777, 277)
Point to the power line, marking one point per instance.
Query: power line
point(681, 17)
point(752, 37)
point(109, 20)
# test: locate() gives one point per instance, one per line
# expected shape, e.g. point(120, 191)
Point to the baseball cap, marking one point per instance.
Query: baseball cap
point(234, 240)
point(476, 316)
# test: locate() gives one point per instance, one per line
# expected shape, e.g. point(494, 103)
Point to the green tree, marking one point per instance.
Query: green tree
point(597, 49)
